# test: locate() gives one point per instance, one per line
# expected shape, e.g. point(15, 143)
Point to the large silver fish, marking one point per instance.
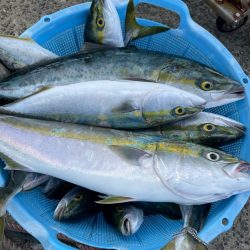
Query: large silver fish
point(116, 104)
point(103, 25)
point(125, 63)
point(111, 162)
point(17, 53)
point(203, 128)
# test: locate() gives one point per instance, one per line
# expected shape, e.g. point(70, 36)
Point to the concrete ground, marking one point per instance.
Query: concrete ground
point(17, 15)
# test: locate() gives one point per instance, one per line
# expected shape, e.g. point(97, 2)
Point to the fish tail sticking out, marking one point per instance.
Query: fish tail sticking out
point(13, 187)
point(134, 30)
point(187, 239)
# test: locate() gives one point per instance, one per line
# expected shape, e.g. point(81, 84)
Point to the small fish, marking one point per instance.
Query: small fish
point(17, 53)
point(56, 188)
point(125, 218)
point(78, 201)
point(126, 63)
point(108, 162)
point(203, 128)
point(188, 239)
point(103, 25)
point(115, 104)
point(34, 180)
point(170, 210)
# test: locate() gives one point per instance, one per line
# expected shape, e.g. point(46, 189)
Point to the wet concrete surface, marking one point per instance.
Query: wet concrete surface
point(17, 15)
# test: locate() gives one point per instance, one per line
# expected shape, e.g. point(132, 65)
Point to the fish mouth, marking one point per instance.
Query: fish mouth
point(244, 168)
point(126, 227)
point(235, 170)
point(235, 125)
point(238, 129)
point(59, 213)
point(219, 98)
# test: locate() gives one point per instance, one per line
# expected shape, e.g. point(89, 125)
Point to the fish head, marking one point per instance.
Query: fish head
point(129, 219)
point(70, 205)
point(103, 24)
point(186, 240)
point(199, 174)
point(220, 130)
point(207, 83)
point(220, 90)
point(170, 104)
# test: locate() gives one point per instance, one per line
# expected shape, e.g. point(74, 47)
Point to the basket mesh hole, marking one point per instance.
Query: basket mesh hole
point(147, 11)
point(245, 80)
point(225, 221)
point(46, 19)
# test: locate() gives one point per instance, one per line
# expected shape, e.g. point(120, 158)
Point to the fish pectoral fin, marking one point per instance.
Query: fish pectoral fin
point(135, 30)
point(137, 79)
point(125, 107)
point(108, 200)
point(40, 90)
point(13, 165)
point(132, 155)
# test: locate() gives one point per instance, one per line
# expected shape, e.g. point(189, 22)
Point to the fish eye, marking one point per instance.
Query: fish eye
point(208, 127)
point(100, 22)
point(78, 197)
point(207, 85)
point(212, 156)
point(119, 209)
point(179, 111)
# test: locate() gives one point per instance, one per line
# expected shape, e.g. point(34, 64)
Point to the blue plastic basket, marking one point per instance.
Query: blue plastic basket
point(62, 33)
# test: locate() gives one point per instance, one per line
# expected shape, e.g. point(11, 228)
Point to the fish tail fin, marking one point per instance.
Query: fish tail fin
point(135, 30)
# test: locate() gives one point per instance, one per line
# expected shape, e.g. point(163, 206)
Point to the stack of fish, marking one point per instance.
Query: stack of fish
point(123, 122)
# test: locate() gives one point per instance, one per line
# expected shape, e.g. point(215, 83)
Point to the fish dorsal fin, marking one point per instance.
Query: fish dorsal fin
point(132, 155)
point(109, 200)
point(135, 30)
point(11, 164)
point(125, 107)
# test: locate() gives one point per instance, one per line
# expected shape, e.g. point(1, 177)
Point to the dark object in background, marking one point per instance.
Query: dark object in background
point(232, 14)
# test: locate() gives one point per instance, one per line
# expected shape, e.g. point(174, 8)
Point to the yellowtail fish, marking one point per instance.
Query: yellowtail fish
point(77, 202)
point(203, 128)
point(115, 104)
point(17, 53)
point(103, 25)
point(125, 218)
point(111, 162)
point(126, 63)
